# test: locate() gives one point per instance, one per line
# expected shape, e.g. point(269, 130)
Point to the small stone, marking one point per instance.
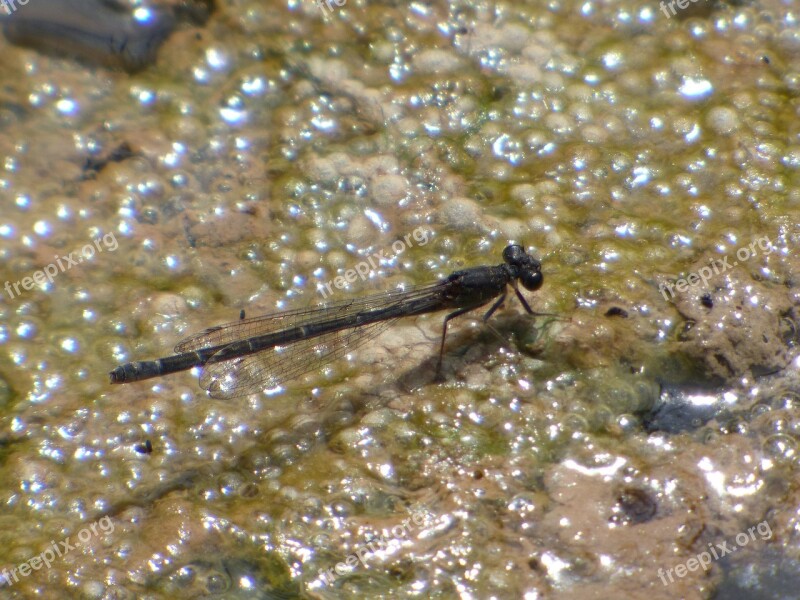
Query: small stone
point(461, 214)
point(389, 189)
point(436, 61)
point(723, 120)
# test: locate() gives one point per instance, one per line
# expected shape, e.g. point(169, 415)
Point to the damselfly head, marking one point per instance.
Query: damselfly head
point(527, 268)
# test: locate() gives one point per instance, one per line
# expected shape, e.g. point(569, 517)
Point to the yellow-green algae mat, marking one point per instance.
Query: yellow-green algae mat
point(647, 154)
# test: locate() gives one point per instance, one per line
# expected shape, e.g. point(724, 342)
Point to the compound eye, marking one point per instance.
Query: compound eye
point(531, 280)
point(513, 254)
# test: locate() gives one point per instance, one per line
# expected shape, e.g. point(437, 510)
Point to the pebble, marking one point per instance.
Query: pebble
point(436, 61)
point(360, 231)
point(461, 214)
point(525, 72)
point(389, 189)
point(723, 120)
point(322, 170)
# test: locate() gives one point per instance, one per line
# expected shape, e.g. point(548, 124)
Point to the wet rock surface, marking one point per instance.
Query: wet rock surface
point(267, 148)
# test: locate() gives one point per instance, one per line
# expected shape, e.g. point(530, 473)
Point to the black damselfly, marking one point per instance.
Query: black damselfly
point(251, 355)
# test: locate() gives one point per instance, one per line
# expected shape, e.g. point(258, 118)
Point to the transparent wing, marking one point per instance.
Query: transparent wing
point(270, 323)
point(274, 366)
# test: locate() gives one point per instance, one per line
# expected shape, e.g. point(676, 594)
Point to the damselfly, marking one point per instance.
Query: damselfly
point(251, 355)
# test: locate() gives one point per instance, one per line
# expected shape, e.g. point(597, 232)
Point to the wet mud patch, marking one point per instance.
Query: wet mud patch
point(738, 326)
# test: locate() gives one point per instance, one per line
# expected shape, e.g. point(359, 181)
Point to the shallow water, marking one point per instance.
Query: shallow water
point(271, 150)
